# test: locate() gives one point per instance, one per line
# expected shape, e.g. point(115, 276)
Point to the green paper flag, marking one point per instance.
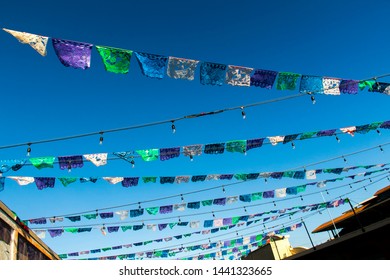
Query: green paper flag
point(235, 220)
point(115, 60)
point(243, 177)
point(72, 230)
point(90, 216)
point(67, 180)
point(124, 228)
point(369, 83)
point(238, 146)
point(307, 135)
point(287, 81)
point(152, 210)
point(288, 174)
point(257, 196)
point(148, 155)
point(149, 179)
point(42, 162)
point(301, 188)
point(207, 202)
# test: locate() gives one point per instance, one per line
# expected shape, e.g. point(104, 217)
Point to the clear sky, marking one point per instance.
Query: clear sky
point(41, 99)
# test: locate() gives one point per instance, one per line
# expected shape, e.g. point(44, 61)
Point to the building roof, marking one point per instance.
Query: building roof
point(379, 200)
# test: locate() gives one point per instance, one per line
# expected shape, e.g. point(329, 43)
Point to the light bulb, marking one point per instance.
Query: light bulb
point(132, 163)
point(101, 138)
point(28, 150)
point(173, 127)
point(313, 100)
point(293, 145)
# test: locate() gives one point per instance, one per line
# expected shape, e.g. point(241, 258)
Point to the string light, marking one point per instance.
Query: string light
point(223, 189)
point(139, 205)
point(345, 160)
point(28, 149)
point(245, 209)
point(243, 113)
point(213, 214)
point(103, 230)
point(380, 147)
point(182, 198)
point(313, 100)
point(378, 131)
point(350, 186)
point(274, 203)
point(191, 158)
point(173, 127)
point(101, 138)
point(301, 198)
point(69, 166)
point(132, 163)
point(293, 145)
point(337, 139)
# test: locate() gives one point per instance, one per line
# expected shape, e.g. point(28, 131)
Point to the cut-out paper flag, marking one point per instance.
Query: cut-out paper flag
point(287, 81)
point(37, 42)
point(152, 65)
point(73, 54)
point(115, 60)
point(212, 73)
point(238, 76)
point(97, 159)
point(181, 68)
point(263, 78)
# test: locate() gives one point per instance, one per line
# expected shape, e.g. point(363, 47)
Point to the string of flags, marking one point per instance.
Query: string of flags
point(164, 154)
point(49, 182)
point(195, 205)
point(210, 226)
point(223, 244)
point(116, 60)
point(169, 253)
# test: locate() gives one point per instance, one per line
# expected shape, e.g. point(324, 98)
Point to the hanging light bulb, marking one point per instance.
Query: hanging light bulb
point(139, 205)
point(380, 147)
point(28, 149)
point(179, 220)
point(313, 100)
point(103, 230)
point(132, 163)
point(301, 198)
point(365, 189)
point(223, 189)
point(191, 158)
point(337, 139)
point(388, 179)
point(173, 127)
point(69, 166)
point(274, 203)
point(378, 131)
point(327, 192)
point(293, 145)
point(345, 160)
point(245, 209)
point(265, 180)
point(101, 138)
point(350, 186)
point(243, 113)
point(213, 214)
point(182, 198)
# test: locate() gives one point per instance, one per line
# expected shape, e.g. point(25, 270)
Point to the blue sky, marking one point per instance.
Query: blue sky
point(42, 99)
